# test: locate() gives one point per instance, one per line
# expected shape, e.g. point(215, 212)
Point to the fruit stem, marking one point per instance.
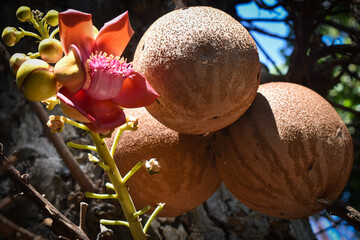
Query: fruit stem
point(119, 185)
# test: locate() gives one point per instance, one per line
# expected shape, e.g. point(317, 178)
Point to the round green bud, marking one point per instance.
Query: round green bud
point(52, 18)
point(36, 81)
point(50, 50)
point(10, 36)
point(16, 60)
point(24, 14)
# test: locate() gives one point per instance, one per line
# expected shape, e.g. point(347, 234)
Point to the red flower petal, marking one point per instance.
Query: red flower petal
point(77, 28)
point(109, 116)
point(103, 115)
point(135, 92)
point(114, 35)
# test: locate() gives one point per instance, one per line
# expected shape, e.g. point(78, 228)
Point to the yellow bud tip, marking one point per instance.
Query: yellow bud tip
point(50, 50)
point(24, 14)
point(52, 18)
point(16, 60)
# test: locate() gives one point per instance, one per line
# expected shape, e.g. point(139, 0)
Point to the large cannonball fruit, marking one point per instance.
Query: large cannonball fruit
point(205, 66)
point(288, 150)
point(188, 174)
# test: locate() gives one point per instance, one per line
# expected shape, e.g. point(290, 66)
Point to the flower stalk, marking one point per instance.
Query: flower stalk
point(119, 185)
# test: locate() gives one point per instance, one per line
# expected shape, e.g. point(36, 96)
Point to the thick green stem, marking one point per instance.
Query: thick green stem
point(123, 195)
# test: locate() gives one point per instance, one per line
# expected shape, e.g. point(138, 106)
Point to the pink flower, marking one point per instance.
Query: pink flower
point(97, 83)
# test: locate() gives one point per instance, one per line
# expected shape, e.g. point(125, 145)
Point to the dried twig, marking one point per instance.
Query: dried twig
point(83, 209)
point(343, 211)
point(84, 181)
point(59, 224)
point(10, 230)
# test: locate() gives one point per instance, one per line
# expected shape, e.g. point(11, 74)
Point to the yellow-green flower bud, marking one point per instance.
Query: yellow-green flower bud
point(36, 81)
point(16, 60)
point(52, 18)
point(69, 72)
point(50, 50)
point(11, 36)
point(24, 14)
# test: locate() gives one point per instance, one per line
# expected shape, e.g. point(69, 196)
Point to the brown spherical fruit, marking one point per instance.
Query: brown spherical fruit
point(205, 66)
point(288, 150)
point(188, 174)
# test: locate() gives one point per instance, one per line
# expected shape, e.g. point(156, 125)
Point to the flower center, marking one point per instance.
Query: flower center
point(105, 75)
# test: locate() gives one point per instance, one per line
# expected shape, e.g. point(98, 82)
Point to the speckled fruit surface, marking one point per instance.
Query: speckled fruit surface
point(188, 174)
point(289, 149)
point(205, 66)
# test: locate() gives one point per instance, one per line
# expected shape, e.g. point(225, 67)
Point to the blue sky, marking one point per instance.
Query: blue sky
point(271, 45)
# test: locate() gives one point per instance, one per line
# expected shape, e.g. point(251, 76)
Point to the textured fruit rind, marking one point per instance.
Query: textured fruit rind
point(205, 66)
point(289, 149)
point(188, 174)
